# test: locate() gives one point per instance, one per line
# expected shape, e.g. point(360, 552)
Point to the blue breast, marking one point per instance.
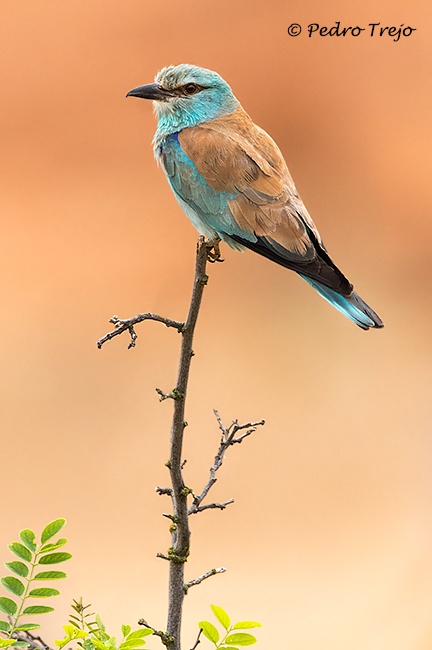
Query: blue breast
point(210, 205)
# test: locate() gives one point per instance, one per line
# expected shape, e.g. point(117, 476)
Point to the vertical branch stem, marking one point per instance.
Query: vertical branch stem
point(181, 535)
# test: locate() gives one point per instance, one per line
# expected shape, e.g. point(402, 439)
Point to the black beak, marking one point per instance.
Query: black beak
point(152, 91)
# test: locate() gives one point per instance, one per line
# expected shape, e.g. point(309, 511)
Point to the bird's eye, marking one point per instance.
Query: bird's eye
point(190, 89)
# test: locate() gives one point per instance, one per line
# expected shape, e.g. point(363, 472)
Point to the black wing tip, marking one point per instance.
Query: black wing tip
point(368, 311)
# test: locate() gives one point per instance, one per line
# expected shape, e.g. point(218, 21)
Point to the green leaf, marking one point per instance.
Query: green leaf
point(19, 568)
point(133, 643)
point(38, 609)
point(88, 645)
point(27, 537)
point(209, 631)
point(246, 625)
point(99, 622)
point(21, 551)
point(52, 529)
point(227, 647)
point(240, 638)
point(13, 585)
point(54, 558)
point(46, 548)
point(126, 629)
point(8, 606)
point(44, 592)
point(139, 634)
point(27, 626)
point(20, 644)
point(4, 643)
point(221, 616)
point(4, 626)
point(50, 575)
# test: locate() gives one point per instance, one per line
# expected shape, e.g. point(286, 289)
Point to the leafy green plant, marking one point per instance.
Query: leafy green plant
point(32, 557)
point(92, 635)
point(230, 637)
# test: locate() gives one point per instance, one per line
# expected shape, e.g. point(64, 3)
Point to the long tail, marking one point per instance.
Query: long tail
point(353, 306)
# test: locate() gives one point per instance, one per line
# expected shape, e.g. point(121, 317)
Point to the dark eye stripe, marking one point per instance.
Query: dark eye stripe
point(189, 89)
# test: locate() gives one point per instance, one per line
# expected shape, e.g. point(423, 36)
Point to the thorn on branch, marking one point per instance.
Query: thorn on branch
point(197, 581)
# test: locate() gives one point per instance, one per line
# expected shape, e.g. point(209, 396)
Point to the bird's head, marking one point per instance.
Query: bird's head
point(185, 95)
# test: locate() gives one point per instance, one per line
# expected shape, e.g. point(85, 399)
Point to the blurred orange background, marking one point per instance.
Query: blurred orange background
point(329, 542)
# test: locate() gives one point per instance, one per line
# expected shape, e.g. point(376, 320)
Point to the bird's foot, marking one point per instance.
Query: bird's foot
point(213, 250)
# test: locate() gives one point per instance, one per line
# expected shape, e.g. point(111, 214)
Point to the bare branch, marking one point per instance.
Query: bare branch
point(201, 629)
point(162, 556)
point(165, 638)
point(128, 324)
point(180, 533)
point(34, 642)
point(174, 394)
point(221, 426)
point(240, 438)
point(212, 506)
point(178, 552)
point(209, 574)
point(161, 491)
point(227, 439)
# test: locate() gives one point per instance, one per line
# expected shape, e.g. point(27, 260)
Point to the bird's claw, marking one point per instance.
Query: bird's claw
point(213, 250)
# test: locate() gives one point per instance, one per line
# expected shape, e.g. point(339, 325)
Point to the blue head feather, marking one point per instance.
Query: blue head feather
point(180, 111)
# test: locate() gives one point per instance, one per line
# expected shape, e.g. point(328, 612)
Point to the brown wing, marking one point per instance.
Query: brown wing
point(236, 156)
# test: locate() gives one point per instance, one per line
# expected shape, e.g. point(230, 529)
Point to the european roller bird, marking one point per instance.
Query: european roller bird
point(231, 180)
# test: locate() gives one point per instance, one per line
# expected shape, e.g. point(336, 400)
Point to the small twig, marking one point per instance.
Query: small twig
point(174, 394)
point(165, 638)
point(201, 629)
point(228, 438)
point(128, 324)
point(221, 426)
point(34, 642)
point(209, 574)
point(167, 491)
point(162, 556)
point(212, 506)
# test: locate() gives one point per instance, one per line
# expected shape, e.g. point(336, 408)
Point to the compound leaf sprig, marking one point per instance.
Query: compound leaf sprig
point(32, 556)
